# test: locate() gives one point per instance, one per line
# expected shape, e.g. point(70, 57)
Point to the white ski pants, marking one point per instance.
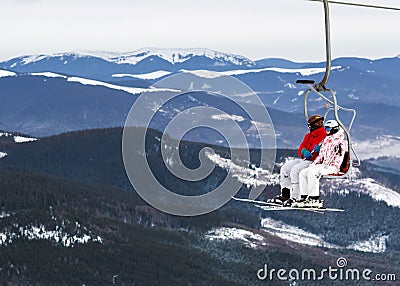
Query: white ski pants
point(289, 176)
point(309, 178)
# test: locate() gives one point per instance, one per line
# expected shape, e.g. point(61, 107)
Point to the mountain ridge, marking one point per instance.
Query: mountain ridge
point(93, 93)
point(172, 57)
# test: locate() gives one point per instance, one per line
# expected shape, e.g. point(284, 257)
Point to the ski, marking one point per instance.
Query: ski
point(277, 207)
point(256, 202)
point(282, 208)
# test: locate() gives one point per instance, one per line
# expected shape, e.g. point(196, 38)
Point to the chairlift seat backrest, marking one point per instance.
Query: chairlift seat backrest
point(344, 167)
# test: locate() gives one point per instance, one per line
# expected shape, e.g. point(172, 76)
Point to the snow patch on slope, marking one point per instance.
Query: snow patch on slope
point(215, 74)
point(249, 238)
point(57, 235)
point(237, 118)
point(22, 139)
point(152, 75)
point(292, 233)
point(5, 73)
point(250, 177)
point(375, 244)
point(48, 74)
point(366, 186)
point(386, 145)
point(85, 81)
point(63, 231)
point(33, 58)
point(17, 138)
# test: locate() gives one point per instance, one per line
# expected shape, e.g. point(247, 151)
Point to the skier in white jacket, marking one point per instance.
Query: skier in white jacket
point(328, 161)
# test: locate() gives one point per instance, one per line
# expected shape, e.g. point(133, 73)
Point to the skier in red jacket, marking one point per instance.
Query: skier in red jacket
point(289, 174)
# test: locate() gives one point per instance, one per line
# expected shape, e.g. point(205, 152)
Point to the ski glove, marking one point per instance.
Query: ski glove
point(305, 153)
point(317, 148)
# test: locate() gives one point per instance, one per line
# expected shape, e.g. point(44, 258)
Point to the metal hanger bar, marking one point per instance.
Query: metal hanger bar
point(327, 46)
point(359, 5)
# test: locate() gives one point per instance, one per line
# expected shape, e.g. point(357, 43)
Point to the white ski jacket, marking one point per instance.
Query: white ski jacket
point(332, 150)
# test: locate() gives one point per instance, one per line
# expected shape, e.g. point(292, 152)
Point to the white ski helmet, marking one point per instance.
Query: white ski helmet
point(331, 126)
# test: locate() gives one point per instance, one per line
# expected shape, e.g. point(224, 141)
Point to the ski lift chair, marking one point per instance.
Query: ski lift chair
point(318, 88)
point(350, 157)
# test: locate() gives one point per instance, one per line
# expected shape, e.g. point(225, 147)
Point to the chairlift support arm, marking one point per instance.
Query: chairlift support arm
point(321, 85)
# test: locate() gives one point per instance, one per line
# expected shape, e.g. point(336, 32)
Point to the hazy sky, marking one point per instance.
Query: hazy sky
point(291, 29)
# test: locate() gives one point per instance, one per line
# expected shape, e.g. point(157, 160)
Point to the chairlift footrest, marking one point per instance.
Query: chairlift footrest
point(305, 81)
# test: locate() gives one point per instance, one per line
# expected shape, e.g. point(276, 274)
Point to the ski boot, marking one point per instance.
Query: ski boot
point(280, 200)
point(283, 197)
point(289, 202)
point(309, 203)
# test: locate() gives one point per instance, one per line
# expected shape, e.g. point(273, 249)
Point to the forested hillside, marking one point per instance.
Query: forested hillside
point(70, 217)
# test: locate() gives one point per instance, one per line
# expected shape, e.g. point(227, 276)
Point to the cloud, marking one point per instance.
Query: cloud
point(257, 29)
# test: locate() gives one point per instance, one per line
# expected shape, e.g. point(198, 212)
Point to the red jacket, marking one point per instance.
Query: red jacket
point(310, 140)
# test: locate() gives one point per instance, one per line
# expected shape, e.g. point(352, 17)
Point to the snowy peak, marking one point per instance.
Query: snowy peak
point(30, 59)
point(173, 56)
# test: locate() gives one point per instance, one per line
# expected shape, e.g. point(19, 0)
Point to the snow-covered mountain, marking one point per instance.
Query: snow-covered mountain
point(49, 94)
point(173, 56)
point(100, 64)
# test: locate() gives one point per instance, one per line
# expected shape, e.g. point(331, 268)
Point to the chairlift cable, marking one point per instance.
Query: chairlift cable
point(359, 5)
